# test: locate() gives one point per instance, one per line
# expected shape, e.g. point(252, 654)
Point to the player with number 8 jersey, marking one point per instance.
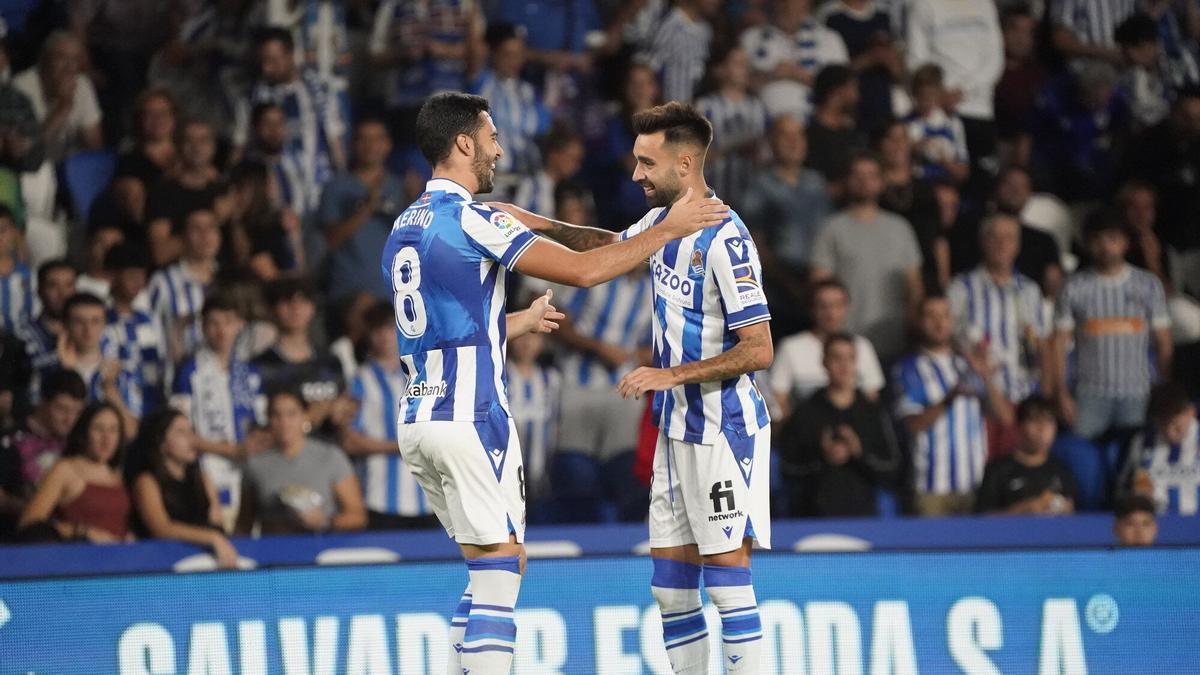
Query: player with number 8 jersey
point(446, 260)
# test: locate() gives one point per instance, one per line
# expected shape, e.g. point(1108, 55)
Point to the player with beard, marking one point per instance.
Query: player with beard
point(708, 503)
point(446, 260)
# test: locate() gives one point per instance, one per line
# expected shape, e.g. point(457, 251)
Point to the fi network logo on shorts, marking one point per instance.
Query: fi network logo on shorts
point(722, 492)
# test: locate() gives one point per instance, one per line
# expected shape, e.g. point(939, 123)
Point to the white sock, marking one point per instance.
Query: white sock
point(458, 629)
point(676, 587)
point(491, 634)
point(731, 591)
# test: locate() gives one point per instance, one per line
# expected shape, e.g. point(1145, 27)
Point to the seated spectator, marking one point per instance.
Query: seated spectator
point(1039, 257)
point(1029, 480)
point(787, 52)
point(799, 370)
point(562, 150)
point(936, 132)
point(55, 283)
point(518, 110)
point(194, 184)
point(63, 97)
point(82, 497)
point(28, 452)
point(942, 400)
point(1163, 462)
point(136, 338)
point(739, 121)
point(295, 361)
point(16, 281)
point(535, 395)
point(82, 349)
point(177, 291)
point(356, 213)
point(93, 278)
point(917, 201)
point(299, 484)
point(1135, 523)
point(1079, 129)
point(1019, 84)
point(263, 238)
point(394, 499)
point(838, 449)
point(866, 30)
point(888, 290)
point(1116, 317)
point(222, 396)
point(833, 134)
point(999, 310)
point(1142, 81)
point(152, 153)
point(173, 498)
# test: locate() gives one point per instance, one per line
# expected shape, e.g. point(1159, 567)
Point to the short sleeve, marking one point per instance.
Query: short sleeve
point(956, 294)
point(823, 250)
point(496, 234)
point(870, 372)
point(339, 465)
point(735, 267)
point(1064, 317)
point(908, 252)
point(910, 392)
point(1036, 314)
point(642, 225)
point(1159, 318)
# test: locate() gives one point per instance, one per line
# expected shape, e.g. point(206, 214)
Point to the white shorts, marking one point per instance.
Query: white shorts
point(711, 495)
point(601, 424)
point(472, 476)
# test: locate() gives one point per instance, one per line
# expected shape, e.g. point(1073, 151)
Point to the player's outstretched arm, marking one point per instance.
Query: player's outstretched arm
point(554, 262)
point(539, 317)
point(574, 237)
point(752, 352)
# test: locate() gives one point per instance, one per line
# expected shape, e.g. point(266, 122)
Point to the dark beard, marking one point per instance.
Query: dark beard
point(481, 166)
point(662, 197)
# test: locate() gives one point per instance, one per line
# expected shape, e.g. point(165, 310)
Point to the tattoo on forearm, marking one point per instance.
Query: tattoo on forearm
point(579, 238)
point(736, 361)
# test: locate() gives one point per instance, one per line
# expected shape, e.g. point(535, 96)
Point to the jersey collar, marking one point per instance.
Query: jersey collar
point(447, 185)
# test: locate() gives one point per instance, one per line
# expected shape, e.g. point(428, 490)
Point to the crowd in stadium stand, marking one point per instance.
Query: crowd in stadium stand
point(979, 222)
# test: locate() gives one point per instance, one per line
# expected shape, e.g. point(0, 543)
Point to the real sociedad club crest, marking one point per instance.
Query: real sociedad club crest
point(696, 270)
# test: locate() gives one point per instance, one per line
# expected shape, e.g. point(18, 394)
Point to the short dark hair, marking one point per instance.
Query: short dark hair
point(679, 123)
point(126, 256)
point(936, 296)
point(284, 391)
point(928, 75)
point(836, 338)
point(286, 289)
point(499, 32)
point(1130, 504)
point(63, 382)
point(830, 79)
point(1167, 399)
point(82, 300)
point(379, 315)
point(1033, 406)
point(558, 138)
point(50, 266)
point(568, 189)
point(219, 302)
point(260, 109)
point(443, 117)
point(1102, 221)
point(274, 34)
point(826, 284)
point(1136, 30)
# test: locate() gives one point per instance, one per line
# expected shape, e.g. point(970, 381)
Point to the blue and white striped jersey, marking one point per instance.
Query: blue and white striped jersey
point(16, 298)
point(387, 483)
point(405, 22)
point(1111, 318)
point(535, 411)
point(813, 46)
point(706, 286)
point(176, 300)
point(1093, 22)
point(1173, 470)
point(520, 117)
point(41, 344)
point(736, 124)
point(615, 313)
point(1011, 318)
point(446, 260)
point(949, 456)
point(224, 402)
point(944, 139)
point(679, 54)
point(137, 341)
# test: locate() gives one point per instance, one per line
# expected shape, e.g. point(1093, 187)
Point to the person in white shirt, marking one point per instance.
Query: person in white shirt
point(63, 97)
point(798, 370)
point(787, 52)
point(964, 38)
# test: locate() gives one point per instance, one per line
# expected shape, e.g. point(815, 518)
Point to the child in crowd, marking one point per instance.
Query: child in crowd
point(1164, 460)
point(938, 136)
point(1141, 76)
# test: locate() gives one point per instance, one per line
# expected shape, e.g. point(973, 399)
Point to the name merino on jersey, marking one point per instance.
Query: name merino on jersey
point(447, 257)
point(706, 286)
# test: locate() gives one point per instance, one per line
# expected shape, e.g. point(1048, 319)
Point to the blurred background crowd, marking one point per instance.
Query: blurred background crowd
point(979, 222)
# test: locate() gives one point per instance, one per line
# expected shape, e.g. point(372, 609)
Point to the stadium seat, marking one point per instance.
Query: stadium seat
point(86, 175)
point(1087, 465)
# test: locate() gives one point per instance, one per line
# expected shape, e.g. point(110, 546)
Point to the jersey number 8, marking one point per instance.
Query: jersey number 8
point(406, 282)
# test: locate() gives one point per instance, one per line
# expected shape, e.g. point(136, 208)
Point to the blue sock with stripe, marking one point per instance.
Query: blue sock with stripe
point(458, 630)
point(731, 590)
point(491, 634)
point(676, 587)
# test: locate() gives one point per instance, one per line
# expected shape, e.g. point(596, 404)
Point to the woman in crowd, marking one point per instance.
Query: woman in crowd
point(83, 497)
point(174, 499)
point(300, 484)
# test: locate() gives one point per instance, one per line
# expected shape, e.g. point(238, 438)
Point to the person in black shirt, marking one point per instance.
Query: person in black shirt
point(1029, 480)
point(295, 363)
point(833, 134)
point(839, 449)
point(194, 184)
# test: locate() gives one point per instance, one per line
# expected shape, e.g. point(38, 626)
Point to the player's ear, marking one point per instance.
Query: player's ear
point(685, 164)
point(465, 144)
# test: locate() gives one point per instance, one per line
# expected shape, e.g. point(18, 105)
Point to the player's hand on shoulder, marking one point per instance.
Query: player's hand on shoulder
point(693, 213)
